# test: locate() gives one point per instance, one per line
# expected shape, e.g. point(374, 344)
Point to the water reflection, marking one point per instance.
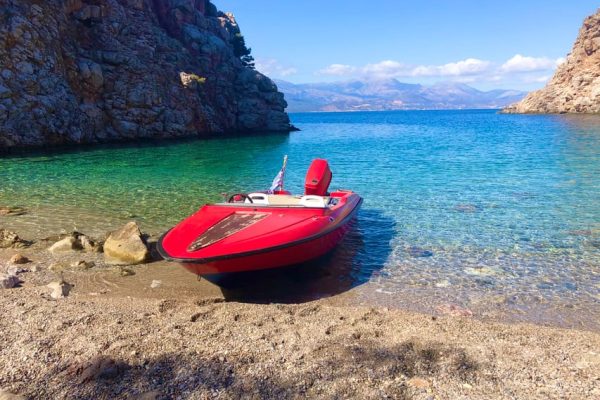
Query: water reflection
point(358, 257)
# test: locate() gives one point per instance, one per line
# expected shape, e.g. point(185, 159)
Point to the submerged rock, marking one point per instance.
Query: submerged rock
point(467, 208)
point(454, 310)
point(8, 281)
point(126, 246)
point(415, 251)
point(12, 211)
point(10, 239)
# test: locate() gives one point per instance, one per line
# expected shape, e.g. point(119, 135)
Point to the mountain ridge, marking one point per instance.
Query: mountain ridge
point(390, 94)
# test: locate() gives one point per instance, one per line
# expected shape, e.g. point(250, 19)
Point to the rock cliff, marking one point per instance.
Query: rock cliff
point(84, 71)
point(575, 87)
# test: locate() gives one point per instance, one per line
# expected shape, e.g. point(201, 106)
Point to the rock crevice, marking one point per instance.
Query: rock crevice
point(84, 71)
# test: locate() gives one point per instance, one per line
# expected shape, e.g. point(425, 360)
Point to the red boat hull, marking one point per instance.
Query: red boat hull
point(282, 236)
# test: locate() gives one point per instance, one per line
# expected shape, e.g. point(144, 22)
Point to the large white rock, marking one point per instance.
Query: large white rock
point(126, 246)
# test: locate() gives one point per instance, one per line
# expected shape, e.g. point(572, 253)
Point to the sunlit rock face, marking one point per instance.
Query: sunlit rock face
point(85, 71)
point(575, 87)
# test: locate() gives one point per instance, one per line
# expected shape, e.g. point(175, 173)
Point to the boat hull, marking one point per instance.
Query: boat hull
point(303, 235)
point(294, 253)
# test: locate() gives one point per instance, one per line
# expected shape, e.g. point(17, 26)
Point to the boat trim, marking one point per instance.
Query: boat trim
point(164, 254)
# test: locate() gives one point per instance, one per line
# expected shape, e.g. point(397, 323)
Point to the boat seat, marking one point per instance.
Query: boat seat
point(313, 201)
point(284, 200)
point(259, 198)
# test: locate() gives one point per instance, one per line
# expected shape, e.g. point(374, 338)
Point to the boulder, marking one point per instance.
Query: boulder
point(126, 246)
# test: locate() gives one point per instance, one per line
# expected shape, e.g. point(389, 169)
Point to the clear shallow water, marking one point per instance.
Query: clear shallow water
point(497, 213)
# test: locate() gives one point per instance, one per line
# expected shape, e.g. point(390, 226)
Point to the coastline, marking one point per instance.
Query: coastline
point(116, 336)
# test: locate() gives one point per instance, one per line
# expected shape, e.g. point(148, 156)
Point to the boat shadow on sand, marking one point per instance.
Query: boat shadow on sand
point(362, 253)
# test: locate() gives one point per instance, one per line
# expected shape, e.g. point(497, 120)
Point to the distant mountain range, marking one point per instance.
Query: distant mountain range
point(390, 94)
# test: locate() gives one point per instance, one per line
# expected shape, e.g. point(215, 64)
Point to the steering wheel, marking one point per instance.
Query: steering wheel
point(239, 198)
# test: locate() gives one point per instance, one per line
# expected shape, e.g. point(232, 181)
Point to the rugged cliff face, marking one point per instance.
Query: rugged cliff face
point(77, 71)
point(575, 87)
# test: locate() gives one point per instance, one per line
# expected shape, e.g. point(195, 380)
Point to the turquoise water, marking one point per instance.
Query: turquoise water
point(496, 213)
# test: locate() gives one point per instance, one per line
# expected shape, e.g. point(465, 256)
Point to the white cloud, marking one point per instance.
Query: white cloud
point(516, 71)
point(519, 63)
point(338, 70)
point(395, 69)
point(470, 66)
point(273, 68)
point(385, 69)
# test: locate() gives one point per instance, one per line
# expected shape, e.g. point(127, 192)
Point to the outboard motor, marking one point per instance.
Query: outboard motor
point(318, 178)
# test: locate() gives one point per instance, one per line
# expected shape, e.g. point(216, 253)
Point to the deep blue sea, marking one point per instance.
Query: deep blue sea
point(499, 214)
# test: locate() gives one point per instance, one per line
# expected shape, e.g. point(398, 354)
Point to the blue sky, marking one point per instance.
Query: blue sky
point(486, 43)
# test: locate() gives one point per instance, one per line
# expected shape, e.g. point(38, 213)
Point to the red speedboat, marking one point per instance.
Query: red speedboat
point(258, 231)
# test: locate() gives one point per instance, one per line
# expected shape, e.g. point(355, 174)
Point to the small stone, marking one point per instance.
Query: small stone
point(454, 310)
point(443, 284)
point(57, 267)
point(60, 289)
point(4, 395)
point(419, 383)
point(155, 284)
point(14, 270)
point(148, 396)
point(69, 243)
point(8, 281)
point(89, 245)
point(125, 271)
point(19, 259)
point(481, 271)
point(83, 265)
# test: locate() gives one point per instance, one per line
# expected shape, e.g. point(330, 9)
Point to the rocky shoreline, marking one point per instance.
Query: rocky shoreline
point(575, 86)
point(81, 71)
point(78, 324)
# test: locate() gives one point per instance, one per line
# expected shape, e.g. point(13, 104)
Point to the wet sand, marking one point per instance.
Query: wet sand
point(116, 337)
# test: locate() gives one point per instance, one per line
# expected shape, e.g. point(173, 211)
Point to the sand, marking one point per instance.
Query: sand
point(114, 336)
